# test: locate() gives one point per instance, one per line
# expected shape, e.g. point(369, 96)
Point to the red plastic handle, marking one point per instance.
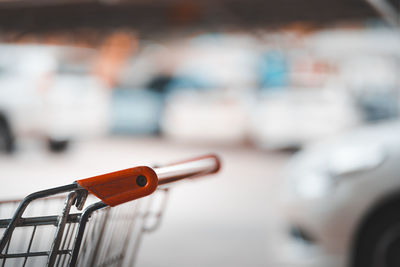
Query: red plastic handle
point(122, 186)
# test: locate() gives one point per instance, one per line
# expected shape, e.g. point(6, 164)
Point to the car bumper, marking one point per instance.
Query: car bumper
point(295, 253)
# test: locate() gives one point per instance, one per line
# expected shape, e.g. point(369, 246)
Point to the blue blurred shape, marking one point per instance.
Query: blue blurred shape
point(192, 82)
point(274, 70)
point(378, 105)
point(136, 111)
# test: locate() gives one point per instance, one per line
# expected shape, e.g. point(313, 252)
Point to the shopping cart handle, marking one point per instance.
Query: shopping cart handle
point(122, 186)
point(195, 167)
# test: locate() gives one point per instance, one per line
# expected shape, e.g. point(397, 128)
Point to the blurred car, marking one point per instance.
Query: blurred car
point(208, 97)
point(205, 116)
point(330, 81)
point(51, 93)
point(342, 201)
point(136, 111)
point(292, 117)
point(138, 96)
point(368, 66)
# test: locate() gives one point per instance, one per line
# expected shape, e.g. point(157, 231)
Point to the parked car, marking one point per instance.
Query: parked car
point(205, 116)
point(208, 97)
point(292, 117)
point(136, 111)
point(49, 92)
point(327, 83)
point(342, 200)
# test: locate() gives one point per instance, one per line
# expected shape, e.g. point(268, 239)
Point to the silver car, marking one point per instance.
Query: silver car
point(342, 200)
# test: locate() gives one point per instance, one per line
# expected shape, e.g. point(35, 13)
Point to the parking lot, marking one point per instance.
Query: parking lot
point(299, 99)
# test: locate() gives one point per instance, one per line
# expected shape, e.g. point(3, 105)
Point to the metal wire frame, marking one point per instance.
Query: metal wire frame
point(97, 223)
point(87, 237)
point(117, 235)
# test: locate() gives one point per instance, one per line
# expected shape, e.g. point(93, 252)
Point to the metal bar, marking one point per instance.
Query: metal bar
point(43, 220)
point(105, 237)
point(16, 220)
point(187, 169)
point(81, 230)
point(60, 228)
point(17, 201)
point(69, 242)
point(135, 249)
point(30, 244)
point(33, 254)
point(63, 242)
point(7, 247)
point(99, 240)
point(130, 227)
point(158, 214)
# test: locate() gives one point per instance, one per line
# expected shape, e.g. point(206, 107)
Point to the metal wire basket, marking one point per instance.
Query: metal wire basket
point(69, 226)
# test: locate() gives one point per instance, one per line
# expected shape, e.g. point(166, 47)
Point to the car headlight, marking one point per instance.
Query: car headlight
point(355, 159)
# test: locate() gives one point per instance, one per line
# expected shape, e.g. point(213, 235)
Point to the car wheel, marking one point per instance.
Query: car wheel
point(56, 145)
point(6, 138)
point(378, 243)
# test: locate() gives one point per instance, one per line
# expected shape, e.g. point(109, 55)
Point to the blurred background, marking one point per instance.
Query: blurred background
point(301, 99)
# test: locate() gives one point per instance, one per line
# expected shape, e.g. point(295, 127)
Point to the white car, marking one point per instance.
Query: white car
point(222, 69)
point(334, 81)
point(342, 201)
point(51, 93)
point(292, 117)
point(205, 117)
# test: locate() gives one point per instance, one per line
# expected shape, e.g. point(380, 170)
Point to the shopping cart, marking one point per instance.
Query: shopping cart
point(69, 226)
